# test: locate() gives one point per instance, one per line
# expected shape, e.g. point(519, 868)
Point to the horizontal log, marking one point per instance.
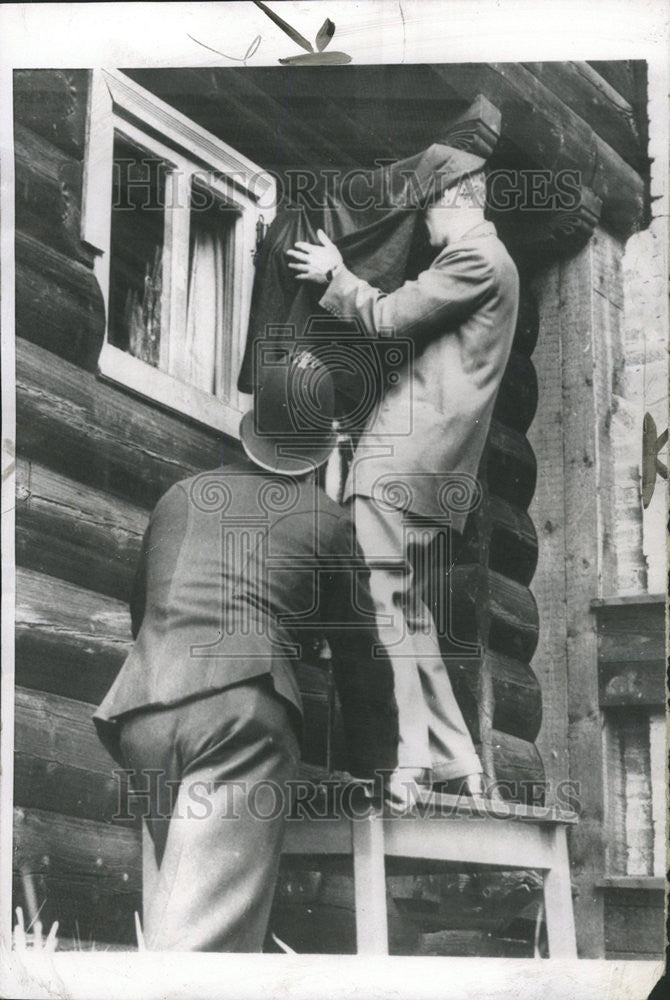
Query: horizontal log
point(511, 541)
point(59, 762)
point(59, 305)
point(61, 765)
point(86, 875)
point(527, 324)
point(69, 641)
point(621, 74)
point(540, 130)
point(75, 532)
point(517, 397)
point(513, 546)
point(95, 433)
point(231, 106)
point(517, 699)
point(491, 609)
point(53, 102)
point(511, 469)
point(608, 113)
point(518, 768)
point(48, 194)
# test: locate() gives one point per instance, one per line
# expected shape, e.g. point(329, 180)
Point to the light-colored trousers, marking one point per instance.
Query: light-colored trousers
point(221, 765)
point(433, 733)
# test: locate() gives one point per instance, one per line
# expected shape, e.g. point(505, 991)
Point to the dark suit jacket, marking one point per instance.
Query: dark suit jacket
point(239, 569)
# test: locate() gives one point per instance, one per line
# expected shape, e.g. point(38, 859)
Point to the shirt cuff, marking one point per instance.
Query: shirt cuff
point(330, 300)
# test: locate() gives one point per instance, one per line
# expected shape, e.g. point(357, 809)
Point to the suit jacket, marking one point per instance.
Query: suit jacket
point(429, 430)
point(240, 570)
point(376, 219)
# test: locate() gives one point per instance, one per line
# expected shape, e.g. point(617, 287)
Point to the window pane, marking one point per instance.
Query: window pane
point(209, 324)
point(136, 252)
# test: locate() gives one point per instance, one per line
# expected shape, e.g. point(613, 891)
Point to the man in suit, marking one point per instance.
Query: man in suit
point(240, 567)
point(414, 471)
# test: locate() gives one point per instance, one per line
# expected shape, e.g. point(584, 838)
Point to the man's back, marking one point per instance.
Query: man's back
point(239, 570)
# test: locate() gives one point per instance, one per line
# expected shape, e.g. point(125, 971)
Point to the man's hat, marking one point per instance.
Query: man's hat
point(290, 429)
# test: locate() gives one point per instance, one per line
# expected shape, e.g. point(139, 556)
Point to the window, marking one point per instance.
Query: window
point(173, 214)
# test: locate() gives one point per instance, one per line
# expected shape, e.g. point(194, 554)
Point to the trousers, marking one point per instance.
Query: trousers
point(433, 732)
point(219, 766)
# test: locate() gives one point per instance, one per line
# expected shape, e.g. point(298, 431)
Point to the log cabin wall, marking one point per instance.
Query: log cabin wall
point(93, 459)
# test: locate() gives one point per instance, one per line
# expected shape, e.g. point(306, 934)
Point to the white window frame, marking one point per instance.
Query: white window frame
point(117, 103)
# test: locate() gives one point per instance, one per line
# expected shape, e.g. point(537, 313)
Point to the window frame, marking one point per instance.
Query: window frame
point(119, 105)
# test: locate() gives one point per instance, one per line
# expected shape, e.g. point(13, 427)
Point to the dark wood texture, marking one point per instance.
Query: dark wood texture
point(511, 470)
point(631, 652)
point(97, 434)
point(634, 924)
point(517, 699)
point(512, 545)
point(48, 194)
point(53, 103)
point(87, 874)
point(69, 641)
point(608, 113)
point(517, 396)
point(59, 763)
point(75, 532)
point(59, 305)
point(538, 126)
point(528, 322)
point(476, 130)
point(513, 620)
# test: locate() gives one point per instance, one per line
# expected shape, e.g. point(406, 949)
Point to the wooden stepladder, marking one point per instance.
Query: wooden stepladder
point(445, 828)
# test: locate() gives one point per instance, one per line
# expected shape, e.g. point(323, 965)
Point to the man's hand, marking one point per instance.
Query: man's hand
point(314, 261)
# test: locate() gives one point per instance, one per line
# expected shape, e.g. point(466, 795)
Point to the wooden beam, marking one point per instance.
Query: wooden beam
point(547, 511)
point(547, 134)
point(97, 434)
point(59, 305)
point(511, 467)
point(59, 762)
point(590, 95)
point(48, 194)
point(631, 652)
point(69, 641)
point(528, 322)
point(513, 628)
point(52, 102)
point(512, 545)
point(476, 130)
point(586, 327)
point(517, 397)
point(517, 699)
point(86, 875)
point(75, 532)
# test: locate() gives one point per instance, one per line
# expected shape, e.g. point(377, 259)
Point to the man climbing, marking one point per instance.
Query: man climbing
point(460, 315)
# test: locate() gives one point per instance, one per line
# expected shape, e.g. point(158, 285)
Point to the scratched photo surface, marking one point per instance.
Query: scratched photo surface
point(340, 565)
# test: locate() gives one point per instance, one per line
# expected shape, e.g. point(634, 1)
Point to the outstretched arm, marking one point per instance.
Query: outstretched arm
point(451, 289)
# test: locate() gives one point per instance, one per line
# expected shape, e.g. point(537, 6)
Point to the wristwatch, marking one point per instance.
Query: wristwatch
point(330, 274)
